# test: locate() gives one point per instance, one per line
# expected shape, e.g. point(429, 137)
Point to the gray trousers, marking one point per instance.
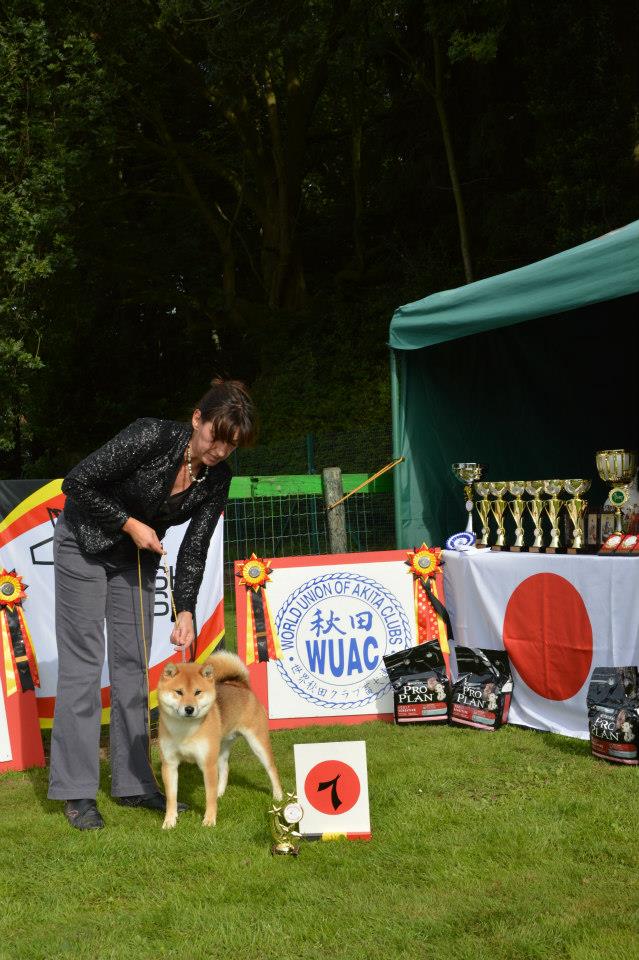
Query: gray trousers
point(88, 593)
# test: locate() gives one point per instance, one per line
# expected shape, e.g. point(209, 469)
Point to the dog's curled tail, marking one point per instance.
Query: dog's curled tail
point(228, 666)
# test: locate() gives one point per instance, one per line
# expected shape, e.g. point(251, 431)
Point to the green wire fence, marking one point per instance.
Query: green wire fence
point(286, 516)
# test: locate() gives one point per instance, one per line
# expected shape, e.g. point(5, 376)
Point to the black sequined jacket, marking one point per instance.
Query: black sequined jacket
point(131, 476)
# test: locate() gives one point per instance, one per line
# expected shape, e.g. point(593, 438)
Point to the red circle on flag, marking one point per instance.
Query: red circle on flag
point(548, 636)
point(332, 787)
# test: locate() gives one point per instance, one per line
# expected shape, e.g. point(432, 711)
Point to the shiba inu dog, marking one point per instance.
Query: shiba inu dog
point(203, 708)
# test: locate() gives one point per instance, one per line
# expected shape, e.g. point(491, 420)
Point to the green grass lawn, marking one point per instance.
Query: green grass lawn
point(507, 845)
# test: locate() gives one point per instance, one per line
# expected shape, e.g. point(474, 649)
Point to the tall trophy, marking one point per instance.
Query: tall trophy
point(576, 508)
point(468, 473)
point(284, 817)
point(553, 508)
point(484, 510)
point(497, 490)
point(534, 489)
point(517, 507)
point(617, 467)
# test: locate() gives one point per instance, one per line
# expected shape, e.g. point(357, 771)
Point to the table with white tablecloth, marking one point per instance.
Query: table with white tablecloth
point(557, 615)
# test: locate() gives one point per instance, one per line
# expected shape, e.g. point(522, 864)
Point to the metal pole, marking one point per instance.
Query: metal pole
point(397, 445)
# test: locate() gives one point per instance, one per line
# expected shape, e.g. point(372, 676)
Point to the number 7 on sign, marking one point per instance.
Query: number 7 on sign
point(335, 800)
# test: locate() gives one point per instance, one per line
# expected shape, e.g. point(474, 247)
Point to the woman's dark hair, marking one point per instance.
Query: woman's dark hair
point(228, 406)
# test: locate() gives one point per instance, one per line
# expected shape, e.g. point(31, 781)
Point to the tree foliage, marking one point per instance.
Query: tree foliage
point(252, 186)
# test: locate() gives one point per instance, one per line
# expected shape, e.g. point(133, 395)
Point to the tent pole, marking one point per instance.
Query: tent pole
point(394, 385)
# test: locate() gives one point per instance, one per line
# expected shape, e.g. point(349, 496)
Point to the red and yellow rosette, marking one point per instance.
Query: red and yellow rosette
point(262, 642)
point(428, 591)
point(18, 654)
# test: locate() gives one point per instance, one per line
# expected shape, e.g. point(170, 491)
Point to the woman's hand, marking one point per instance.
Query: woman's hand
point(183, 633)
point(143, 536)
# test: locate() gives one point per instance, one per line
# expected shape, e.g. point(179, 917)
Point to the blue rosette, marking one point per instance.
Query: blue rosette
point(461, 541)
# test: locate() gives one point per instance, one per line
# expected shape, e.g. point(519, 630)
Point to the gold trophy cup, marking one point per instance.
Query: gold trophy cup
point(576, 507)
point(284, 816)
point(468, 473)
point(534, 489)
point(484, 511)
point(553, 508)
point(497, 489)
point(617, 467)
point(517, 507)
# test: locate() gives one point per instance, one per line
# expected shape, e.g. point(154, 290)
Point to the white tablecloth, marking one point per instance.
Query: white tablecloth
point(558, 616)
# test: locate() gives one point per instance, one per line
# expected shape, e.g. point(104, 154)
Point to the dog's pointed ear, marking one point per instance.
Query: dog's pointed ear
point(170, 670)
point(208, 671)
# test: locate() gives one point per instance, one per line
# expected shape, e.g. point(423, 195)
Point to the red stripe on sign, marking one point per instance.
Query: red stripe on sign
point(34, 517)
point(337, 836)
point(211, 628)
point(290, 722)
point(330, 559)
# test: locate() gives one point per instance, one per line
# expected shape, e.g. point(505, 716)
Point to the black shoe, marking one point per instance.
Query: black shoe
point(152, 801)
point(83, 814)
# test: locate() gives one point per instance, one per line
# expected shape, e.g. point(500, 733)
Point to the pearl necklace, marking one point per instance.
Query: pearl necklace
point(194, 479)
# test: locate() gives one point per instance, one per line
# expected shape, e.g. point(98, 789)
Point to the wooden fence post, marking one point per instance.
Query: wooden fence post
point(335, 518)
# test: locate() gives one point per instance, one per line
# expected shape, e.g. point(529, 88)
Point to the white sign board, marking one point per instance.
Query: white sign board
point(336, 618)
point(332, 788)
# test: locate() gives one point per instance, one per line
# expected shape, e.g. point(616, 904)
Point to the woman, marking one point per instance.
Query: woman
point(107, 546)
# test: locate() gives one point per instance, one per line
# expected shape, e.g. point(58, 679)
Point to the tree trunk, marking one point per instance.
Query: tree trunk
point(17, 447)
point(452, 165)
point(281, 260)
point(356, 162)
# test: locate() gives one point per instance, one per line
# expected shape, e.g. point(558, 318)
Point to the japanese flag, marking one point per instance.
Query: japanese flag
point(557, 616)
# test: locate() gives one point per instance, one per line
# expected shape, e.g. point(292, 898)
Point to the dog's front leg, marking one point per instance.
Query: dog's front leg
point(209, 769)
point(170, 781)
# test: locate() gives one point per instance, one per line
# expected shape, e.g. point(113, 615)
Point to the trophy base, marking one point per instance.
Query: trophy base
point(496, 548)
point(535, 549)
point(285, 849)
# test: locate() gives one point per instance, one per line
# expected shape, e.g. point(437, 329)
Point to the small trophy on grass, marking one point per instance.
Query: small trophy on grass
point(284, 817)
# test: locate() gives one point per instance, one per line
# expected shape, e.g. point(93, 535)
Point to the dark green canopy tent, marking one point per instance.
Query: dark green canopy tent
point(529, 372)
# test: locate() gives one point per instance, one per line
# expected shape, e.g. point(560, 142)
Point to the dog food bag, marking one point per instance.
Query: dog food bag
point(613, 714)
point(483, 689)
point(421, 688)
